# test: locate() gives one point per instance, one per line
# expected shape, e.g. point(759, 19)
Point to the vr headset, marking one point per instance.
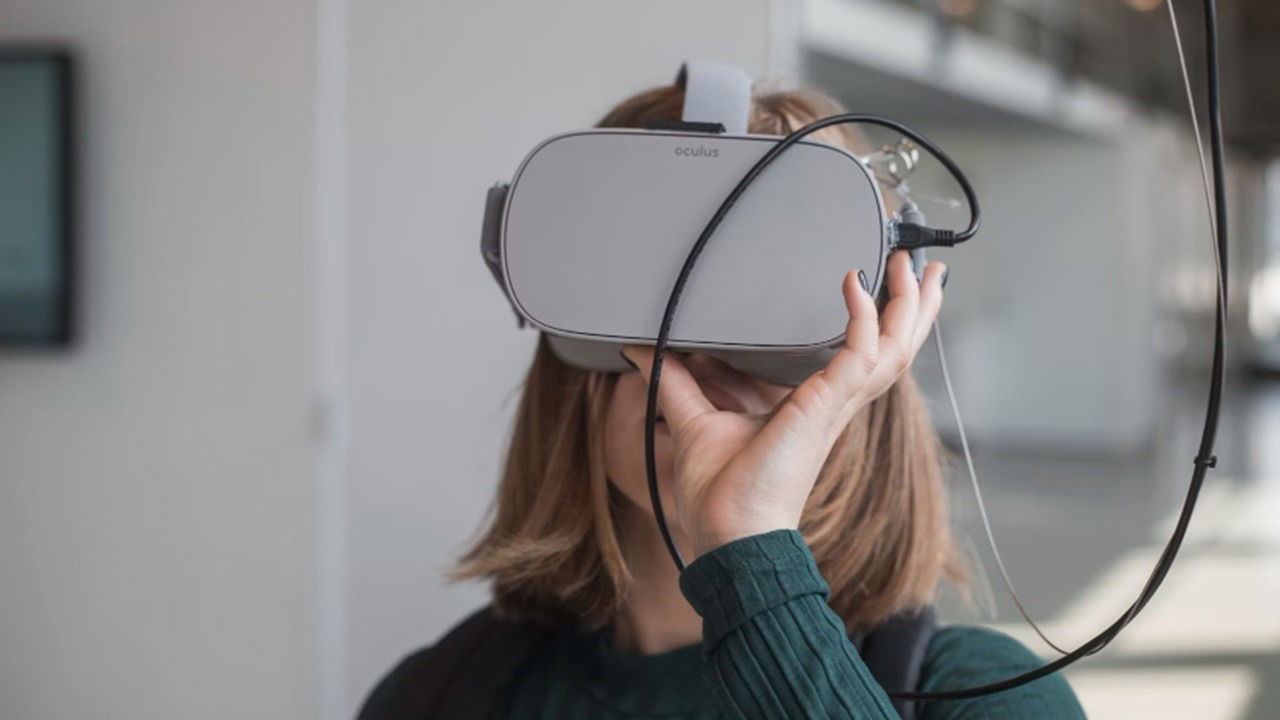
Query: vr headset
point(586, 238)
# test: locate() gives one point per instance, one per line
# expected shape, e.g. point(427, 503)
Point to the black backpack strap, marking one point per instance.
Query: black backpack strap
point(894, 652)
point(462, 676)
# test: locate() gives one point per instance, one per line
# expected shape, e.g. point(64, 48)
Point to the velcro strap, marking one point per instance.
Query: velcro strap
point(716, 93)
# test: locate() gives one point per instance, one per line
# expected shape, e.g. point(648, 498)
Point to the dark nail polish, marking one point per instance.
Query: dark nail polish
point(945, 273)
point(862, 278)
point(627, 360)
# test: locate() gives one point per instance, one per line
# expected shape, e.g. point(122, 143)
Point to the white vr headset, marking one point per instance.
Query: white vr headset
point(586, 239)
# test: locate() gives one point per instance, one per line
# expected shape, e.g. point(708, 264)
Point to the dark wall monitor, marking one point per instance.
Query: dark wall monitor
point(36, 187)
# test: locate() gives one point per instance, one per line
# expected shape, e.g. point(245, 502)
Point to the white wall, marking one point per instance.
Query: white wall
point(156, 532)
point(444, 100)
point(160, 483)
point(1057, 312)
point(1051, 309)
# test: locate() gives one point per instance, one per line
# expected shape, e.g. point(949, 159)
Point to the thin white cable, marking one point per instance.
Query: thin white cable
point(1218, 275)
point(1204, 165)
point(977, 490)
point(1195, 122)
point(942, 356)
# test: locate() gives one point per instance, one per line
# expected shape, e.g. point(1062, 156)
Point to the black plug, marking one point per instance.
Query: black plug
point(910, 236)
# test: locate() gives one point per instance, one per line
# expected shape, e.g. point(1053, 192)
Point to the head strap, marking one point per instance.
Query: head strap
point(715, 93)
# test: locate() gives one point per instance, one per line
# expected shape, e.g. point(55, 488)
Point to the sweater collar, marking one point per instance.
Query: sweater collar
point(671, 682)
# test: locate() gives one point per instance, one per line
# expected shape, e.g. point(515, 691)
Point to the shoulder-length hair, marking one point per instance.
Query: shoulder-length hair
point(876, 521)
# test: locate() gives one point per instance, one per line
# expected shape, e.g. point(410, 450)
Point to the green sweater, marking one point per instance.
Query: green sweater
point(772, 648)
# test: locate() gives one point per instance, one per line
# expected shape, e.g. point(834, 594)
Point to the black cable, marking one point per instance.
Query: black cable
point(907, 235)
point(1203, 460)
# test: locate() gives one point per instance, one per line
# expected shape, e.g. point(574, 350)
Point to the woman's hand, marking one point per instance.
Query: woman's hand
point(741, 474)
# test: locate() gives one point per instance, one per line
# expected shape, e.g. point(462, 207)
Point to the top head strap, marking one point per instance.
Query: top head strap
point(716, 93)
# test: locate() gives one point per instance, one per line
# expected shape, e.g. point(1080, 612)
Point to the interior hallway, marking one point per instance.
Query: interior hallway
point(1081, 539)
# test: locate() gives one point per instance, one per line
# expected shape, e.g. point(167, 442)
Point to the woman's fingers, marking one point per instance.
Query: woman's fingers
point(679, 396)
point(877, 350)
point(848, 369)
point(873, 343)
point(898, 323)
point(930, 302)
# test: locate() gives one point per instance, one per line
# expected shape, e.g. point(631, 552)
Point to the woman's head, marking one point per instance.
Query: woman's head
point(575, 467)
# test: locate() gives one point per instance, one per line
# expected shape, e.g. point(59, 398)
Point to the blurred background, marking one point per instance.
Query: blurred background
point(265, 404)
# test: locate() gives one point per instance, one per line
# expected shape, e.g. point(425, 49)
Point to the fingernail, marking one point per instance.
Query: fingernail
point(862, 278)
point(945, 272)
point(628, 360)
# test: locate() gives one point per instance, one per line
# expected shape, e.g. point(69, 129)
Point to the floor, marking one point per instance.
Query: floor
point(1080, 540)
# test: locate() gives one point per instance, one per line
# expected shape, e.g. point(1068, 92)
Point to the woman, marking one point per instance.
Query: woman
point(813, 519)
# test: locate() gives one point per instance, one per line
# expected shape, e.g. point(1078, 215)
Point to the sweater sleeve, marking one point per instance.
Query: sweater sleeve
point(774, 647)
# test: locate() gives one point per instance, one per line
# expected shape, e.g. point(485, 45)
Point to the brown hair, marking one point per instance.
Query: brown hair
point(876, 520)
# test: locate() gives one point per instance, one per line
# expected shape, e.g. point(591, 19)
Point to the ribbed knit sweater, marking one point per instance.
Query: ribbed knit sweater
point(772, 648)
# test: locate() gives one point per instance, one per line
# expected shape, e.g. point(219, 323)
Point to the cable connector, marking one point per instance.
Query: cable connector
point(910, 236)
